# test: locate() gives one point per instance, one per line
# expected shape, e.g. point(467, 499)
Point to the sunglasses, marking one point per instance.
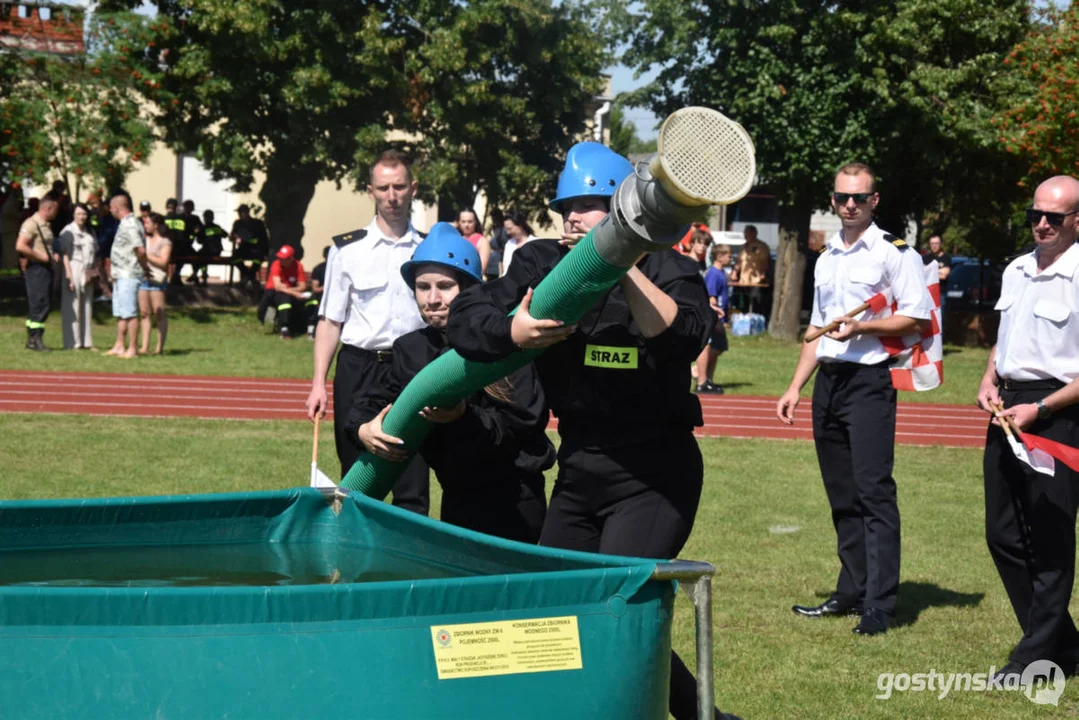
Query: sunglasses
point(860, 198)
point(1034, 217)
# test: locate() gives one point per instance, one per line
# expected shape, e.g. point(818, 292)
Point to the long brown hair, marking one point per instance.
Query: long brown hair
point(501, 390)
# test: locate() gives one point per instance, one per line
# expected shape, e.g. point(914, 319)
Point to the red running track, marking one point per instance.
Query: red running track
point(112, 394)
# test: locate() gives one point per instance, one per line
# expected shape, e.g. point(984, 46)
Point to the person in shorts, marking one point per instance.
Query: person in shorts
point(128, 259)
point(715, 280)
point(153, 286)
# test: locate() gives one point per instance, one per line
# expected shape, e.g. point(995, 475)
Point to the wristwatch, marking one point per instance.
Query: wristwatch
point(1043, 410)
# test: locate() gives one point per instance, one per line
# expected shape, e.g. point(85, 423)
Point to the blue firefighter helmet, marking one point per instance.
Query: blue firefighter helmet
point(591, 169)
point(443, 246)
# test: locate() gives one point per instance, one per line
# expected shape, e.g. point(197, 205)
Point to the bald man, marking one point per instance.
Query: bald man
point(1030, 516)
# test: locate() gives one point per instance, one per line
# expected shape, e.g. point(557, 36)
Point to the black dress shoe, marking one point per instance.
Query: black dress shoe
point(1004, 675)
point(874, 622)
point(830, 608)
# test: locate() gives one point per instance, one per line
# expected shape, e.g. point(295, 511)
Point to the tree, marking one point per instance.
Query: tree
point(818, 84)
point(624, 138)
point(1041, 125)
point(487, 94)
point(500, 90)
point(79, 117)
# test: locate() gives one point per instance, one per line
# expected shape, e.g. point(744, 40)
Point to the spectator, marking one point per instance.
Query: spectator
point(518, 232)
point(144, 210)
point(128, 269)
point(211, 242)
point(107, 225)
point(937, 252)
point(250, 244)
point(64, 212)
point(468, 224)
point(194, 233)
point(318, 280)
point(181, 236)
point(498, 244)
point(153, 287)
point(753, 261)
point(35, 246)
point(78, 248)
point(700, 240)
point(289, 286)
point(715, 280)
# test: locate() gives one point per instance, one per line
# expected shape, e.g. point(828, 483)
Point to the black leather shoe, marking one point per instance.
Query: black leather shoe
point(1004, 675)
point(829, 608)
point(874, 622)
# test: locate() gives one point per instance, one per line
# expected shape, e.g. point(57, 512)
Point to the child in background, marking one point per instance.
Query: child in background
point(715, 279)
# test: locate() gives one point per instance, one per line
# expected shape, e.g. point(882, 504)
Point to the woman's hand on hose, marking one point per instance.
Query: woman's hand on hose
point(443, 415)
point(528, 333)
point(379, 443)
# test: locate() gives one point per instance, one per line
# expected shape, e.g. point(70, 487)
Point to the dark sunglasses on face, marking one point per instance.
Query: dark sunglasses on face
point(1034, 217)
point(842, 198)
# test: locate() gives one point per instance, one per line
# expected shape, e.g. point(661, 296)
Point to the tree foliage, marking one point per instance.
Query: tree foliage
point(906, 86)
point(624, 137)
point(1041, 125)
point(79, 118)
point(486, 94)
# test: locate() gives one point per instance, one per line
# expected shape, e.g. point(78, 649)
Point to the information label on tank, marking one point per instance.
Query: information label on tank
point(508, 647)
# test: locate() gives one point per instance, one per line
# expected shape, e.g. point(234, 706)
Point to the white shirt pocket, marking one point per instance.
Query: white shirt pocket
point(1055, 312)
point(1005, 302)
point(865, 275)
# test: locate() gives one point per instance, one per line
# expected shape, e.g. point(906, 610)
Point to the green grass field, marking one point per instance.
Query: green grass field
point(763, 522)
point(219, 341)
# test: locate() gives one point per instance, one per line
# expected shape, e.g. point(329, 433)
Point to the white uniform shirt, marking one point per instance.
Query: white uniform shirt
point(847, 277)
point(1039, 319)
point(366, 293)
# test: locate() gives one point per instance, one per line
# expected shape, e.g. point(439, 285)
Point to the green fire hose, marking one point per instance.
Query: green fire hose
point(566, 294)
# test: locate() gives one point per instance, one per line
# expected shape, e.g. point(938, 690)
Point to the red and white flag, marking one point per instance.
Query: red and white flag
point(1064, 453)
point(919, 357)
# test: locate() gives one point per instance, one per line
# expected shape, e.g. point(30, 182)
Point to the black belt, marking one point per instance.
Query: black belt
point(837, 367)
point(379, 356)
point(1031, 384)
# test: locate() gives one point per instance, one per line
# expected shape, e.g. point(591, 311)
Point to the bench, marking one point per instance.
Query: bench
point(196, 260)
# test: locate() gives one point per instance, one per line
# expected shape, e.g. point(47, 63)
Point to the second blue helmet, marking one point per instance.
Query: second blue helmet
point(592, 169)
point(443, 246)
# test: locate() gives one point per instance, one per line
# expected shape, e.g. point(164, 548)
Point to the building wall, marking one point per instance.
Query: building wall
point(332, 211)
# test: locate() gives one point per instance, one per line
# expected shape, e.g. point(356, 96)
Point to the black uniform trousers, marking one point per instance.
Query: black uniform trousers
point(38, 279)
point(854, 432)
point(1030, 530)
point(638, 500)
point(294, 313)
point(360, 370)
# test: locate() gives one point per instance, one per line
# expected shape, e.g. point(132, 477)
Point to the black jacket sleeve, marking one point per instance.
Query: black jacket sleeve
point(411, 352)
point(507, 431)
point(479, 326)
point(679, 278)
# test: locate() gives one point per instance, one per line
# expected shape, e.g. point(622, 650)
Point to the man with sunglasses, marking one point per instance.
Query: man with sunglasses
point(1029, 516)
point(854, 401)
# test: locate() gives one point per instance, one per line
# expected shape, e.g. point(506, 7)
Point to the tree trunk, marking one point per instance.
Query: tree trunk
point(786, 320)
point(286, 194)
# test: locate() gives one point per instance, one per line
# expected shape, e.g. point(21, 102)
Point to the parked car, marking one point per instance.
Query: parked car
point(973, 286)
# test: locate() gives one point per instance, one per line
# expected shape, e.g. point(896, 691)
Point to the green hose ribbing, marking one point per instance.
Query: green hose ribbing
point(567, 293)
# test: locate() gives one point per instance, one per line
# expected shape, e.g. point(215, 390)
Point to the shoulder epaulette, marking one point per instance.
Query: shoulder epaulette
point(900, 243)
point(822, 248)
point(350, 237)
